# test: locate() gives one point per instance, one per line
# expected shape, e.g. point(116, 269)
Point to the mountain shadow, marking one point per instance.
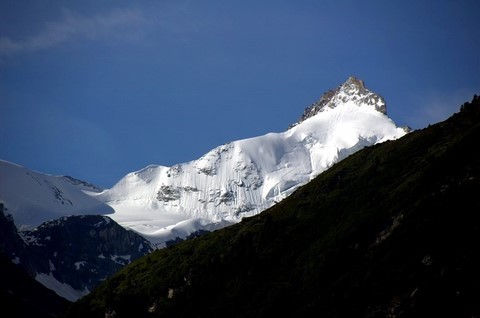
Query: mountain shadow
point(391, 231)
point(70, 255)
point(21, 296)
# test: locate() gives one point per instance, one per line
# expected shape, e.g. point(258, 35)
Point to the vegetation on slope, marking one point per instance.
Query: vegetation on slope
point(391, 231)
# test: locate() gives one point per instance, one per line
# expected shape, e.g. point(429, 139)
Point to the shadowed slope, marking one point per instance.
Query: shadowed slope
point(23, 296)
point(392, 230)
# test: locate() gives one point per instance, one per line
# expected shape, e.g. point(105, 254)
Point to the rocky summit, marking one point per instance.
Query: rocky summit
point(352, 90)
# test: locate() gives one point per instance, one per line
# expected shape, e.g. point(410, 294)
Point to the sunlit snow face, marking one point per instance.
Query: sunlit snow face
point(238, 179)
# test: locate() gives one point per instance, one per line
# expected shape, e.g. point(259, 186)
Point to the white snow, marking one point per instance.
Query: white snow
point(63, 290)
point(235, 180)
point(244, 177)
point(33, 198)
point(78, 264)
point(118, 259)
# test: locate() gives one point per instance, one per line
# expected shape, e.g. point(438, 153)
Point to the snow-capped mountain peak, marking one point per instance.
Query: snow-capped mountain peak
point(238, 179)
point(244, 177)
point(353, 90)
point(167, 204)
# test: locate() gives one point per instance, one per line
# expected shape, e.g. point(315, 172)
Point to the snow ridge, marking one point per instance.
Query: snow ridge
point(244, 177)
point(353, 90)
point(235, 180)
point(33, 197)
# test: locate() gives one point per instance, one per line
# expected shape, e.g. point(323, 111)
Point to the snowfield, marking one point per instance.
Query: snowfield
point(239, 179)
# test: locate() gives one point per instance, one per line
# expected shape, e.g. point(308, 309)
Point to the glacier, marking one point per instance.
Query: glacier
point(235, 180)
point(244, 177)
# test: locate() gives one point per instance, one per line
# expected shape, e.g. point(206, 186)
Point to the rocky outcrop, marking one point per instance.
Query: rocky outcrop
point(72, 255)
point(353, 90)
point(11, 245)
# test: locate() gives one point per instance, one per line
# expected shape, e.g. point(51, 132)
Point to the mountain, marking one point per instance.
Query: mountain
point(353, 90)
point(33, 197)
point(242, 178)
point(391, 231)
point(232, 181)
point(71, 255)
point(58, 217)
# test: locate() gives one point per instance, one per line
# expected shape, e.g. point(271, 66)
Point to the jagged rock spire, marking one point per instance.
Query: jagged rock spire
point(354, 82)
point(353, 89)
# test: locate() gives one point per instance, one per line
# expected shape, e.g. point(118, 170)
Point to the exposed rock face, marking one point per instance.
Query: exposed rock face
point(72, 255)
point(352, 90)
point(82, 251)
point(10, 243)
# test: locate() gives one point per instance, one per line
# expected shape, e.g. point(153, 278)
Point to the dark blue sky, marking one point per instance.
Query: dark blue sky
point(97, 89)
